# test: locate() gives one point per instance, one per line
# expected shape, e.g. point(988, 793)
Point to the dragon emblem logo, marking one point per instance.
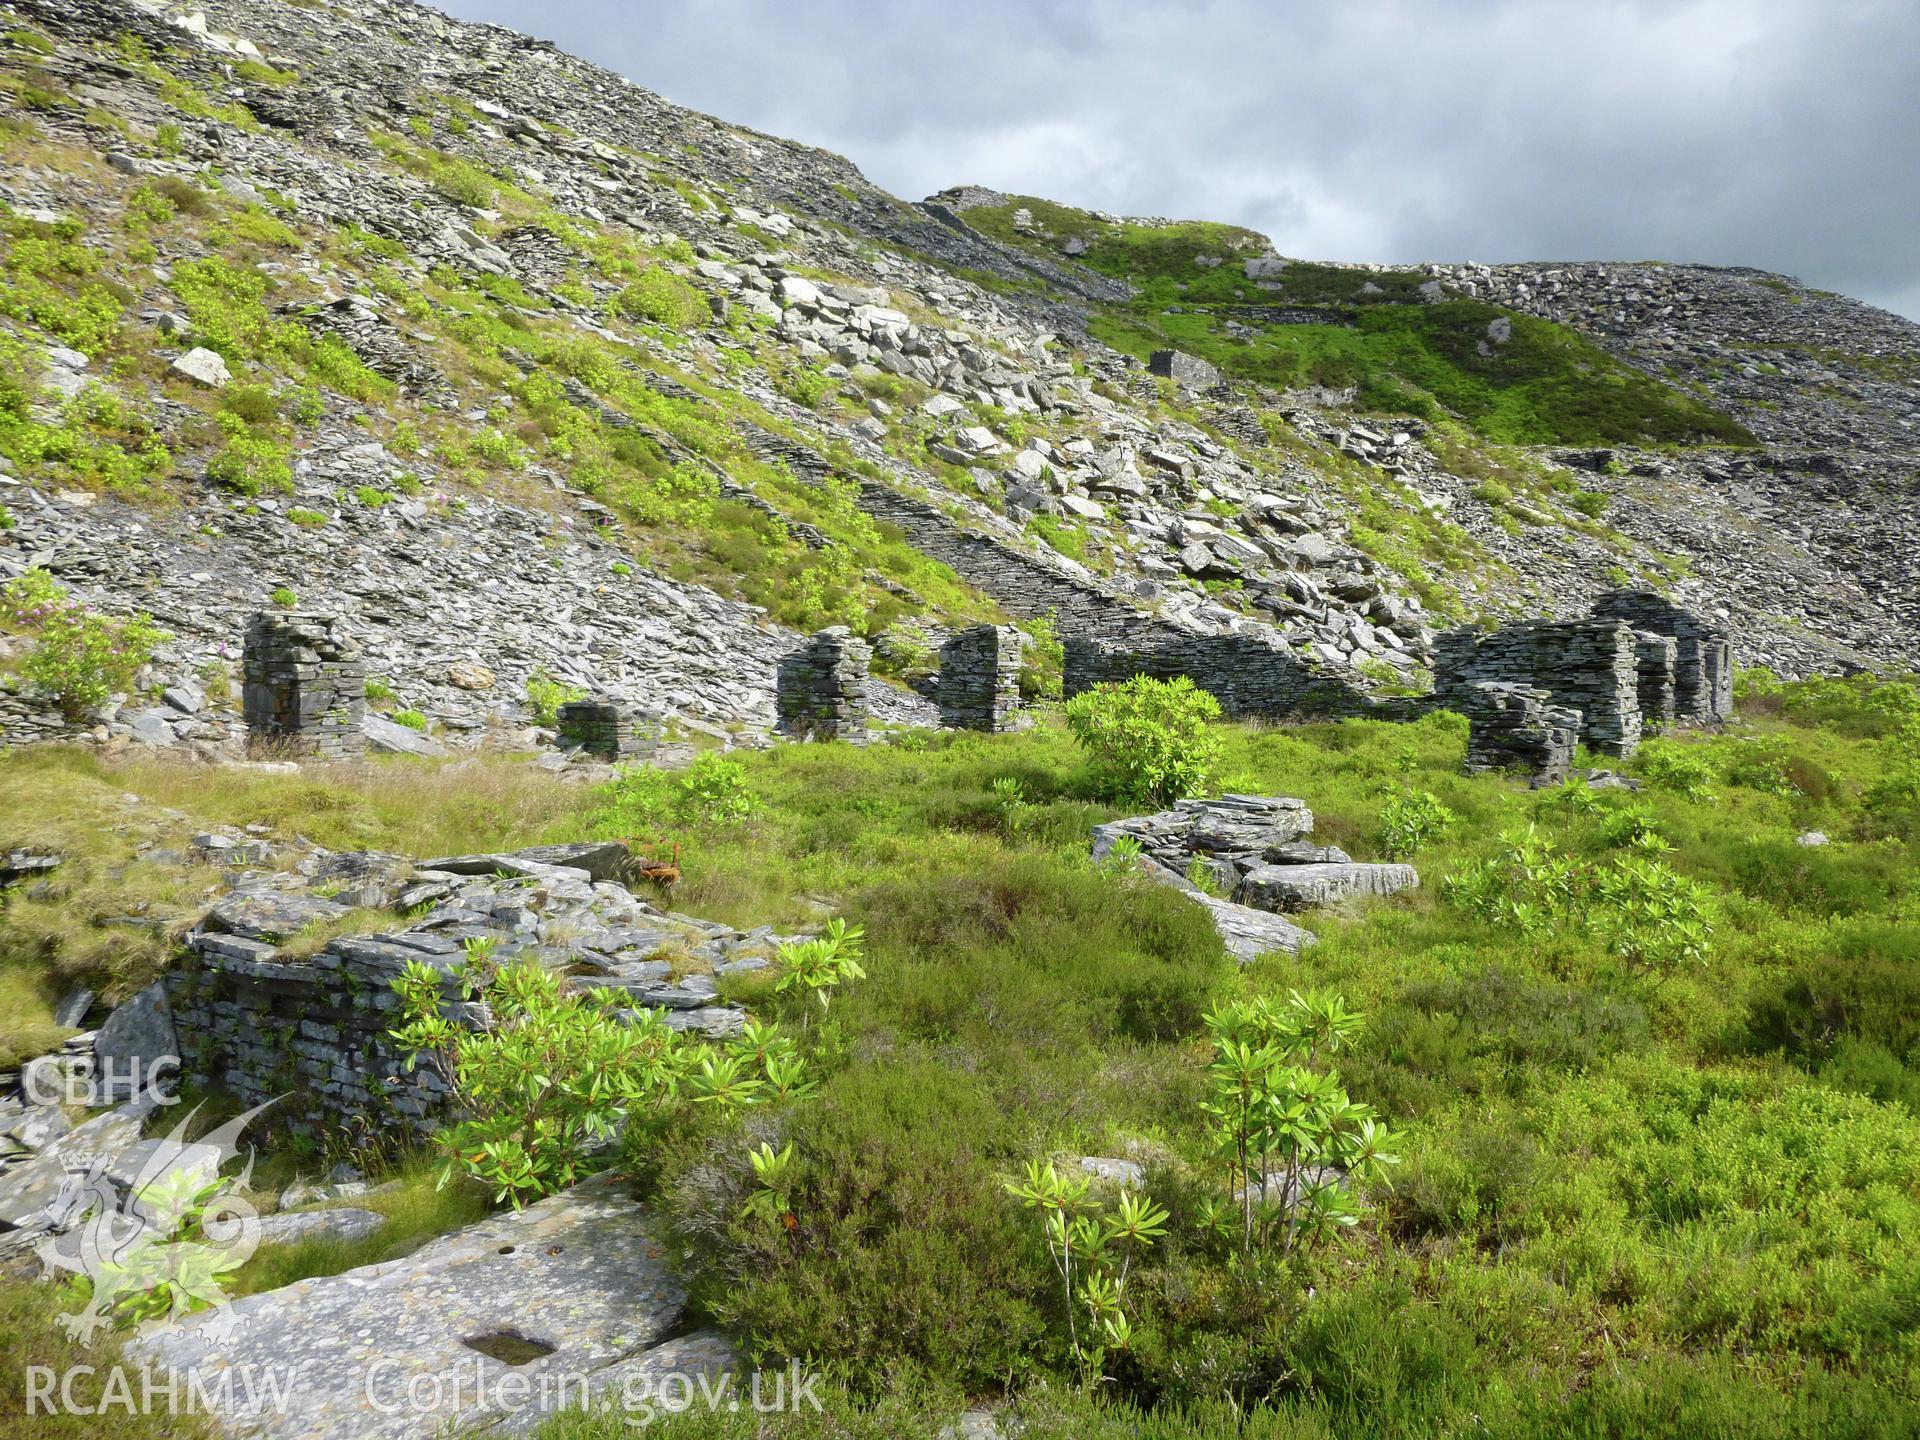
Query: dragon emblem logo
point(155, 1230)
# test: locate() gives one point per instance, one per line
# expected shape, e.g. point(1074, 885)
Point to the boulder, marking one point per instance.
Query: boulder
point(36, 1194)
point(802, 292)
point(1251, 933)
point(601, 859)
point(203, 367)
point(1121, 1172)
point(466, 675)
point(270, 915)
point(395, 739)
point(341, 1224)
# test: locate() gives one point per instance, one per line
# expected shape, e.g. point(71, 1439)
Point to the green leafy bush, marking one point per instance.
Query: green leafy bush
point(1092, 1250)
point(1652, 918)
point(545, 696)
point(1410, 823)
point(817, 967)
point(284, 598)
point(1294, 1143)
point(659, 295)
point(1042, 659)
point(715, 789)
point(78, 656)
point(1676, 765)
point(412, 719)
point(545, 1077)
point(1151, 741)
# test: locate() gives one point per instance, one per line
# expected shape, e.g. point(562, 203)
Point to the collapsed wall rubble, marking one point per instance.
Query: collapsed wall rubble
point(1255, 850)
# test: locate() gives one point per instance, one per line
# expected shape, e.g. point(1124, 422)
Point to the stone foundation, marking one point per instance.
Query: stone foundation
point(313, 1031)
point(980, 678)
point(821, 690)
point(304, 684)
point(1515, 727)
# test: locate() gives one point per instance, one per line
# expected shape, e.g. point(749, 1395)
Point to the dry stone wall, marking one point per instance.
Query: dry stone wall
point(611, 729)
point(1702, 653)
point(1515, 727)
point(822, 687)
point(1590, 666)
point(263, 1021)
point(305, 685)
point(314, 1031)
point(1248, 675)
point(980, 678)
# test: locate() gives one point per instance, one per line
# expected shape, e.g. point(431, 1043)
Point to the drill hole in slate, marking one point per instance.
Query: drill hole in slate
point(508, 1348)
point(506, 1250)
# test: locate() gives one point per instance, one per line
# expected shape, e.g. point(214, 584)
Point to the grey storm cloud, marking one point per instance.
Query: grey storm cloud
point(1783, 134)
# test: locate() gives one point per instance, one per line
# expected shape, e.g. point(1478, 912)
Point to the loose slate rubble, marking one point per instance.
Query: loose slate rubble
point(1182, 508)
point(1255, 848)
point(541, 1310)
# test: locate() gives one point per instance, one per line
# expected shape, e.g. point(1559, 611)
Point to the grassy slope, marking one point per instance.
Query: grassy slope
point(1682, 1208)
point(654, 458)
point(1545, 385)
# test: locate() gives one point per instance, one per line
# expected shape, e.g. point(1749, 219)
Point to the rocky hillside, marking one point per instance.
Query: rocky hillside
point(524, 370)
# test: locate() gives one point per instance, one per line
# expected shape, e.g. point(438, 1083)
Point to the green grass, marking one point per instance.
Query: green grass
point(1545, 385)
point(1665, 1208)
point(414, 1213)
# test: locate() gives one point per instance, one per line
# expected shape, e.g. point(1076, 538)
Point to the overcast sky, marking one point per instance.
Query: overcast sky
point(1778, 133)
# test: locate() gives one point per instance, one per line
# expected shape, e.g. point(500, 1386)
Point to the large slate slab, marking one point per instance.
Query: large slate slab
point(1251, 933)
point(1300, 887)
point(30, 1191)
point(577, 1275)
point(601, 859)
point(136, 1047)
